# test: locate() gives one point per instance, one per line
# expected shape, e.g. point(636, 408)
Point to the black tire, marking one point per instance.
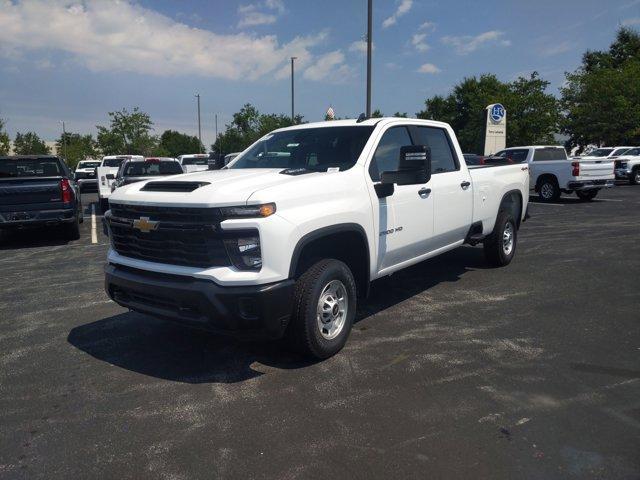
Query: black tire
point(104, 205)
point(72, 230)
point(303, 333)
point(634, 178)
point(81, 209)
point(495, 248)
point(587, 195)
point(548, 189)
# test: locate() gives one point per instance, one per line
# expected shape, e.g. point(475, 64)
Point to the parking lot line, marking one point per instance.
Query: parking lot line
point(94, 236)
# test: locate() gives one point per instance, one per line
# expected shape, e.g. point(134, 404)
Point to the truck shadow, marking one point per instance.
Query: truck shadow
point(564, 200)
point(161, 349)
point(32, 238)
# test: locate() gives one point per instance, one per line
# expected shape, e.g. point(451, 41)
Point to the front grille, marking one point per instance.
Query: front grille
point(183, 236)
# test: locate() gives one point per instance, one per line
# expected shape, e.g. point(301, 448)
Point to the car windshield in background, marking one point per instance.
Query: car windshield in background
point(88, 164)
point(620, 151)
point(600, 152)
point(634, 152)
point(316, 149)
point(150, 169)
point(29, 167)
point(508, 157)
point(113, 162)
point(195, 161)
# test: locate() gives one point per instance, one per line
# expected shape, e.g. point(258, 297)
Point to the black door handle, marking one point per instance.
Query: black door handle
point(465, 184)
point(423, 192)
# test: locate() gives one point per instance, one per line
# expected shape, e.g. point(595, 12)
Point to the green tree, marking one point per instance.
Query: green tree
point(30, 144)
point(176, 143)
point(128, 133)
point(400, 115)
point(601, 99)
point(247, 126)
point(5, 141)
point(377, 113)
point(75, 147)
point(532, 113)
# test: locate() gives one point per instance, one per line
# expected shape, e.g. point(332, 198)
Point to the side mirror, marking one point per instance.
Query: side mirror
point(414, 167)
point(110, 176)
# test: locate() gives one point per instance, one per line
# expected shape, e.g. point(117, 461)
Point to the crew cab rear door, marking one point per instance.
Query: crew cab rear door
point(404, 219)
point(451, 187)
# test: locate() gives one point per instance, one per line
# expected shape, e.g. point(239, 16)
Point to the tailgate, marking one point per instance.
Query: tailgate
point(594, 168)
point(30, 190)
point(104, 183)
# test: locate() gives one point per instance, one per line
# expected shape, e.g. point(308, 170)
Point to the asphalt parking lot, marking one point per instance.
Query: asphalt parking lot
point(453, 370)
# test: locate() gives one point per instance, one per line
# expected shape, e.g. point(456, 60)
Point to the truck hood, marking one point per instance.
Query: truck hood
point(222, 188)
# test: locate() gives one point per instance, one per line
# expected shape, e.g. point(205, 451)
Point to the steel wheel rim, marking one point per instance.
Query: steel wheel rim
point(332, 309)
point(638, 176)
point(507, 238)
point(546, 191)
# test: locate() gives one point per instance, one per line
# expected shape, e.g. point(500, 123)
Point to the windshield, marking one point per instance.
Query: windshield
point(620, 151)
point(310, 148)
point(113, 162)
point(88, 164)
point(149, 169)
point(633, 152)
point(30, 167)
point(195, 161)
point(600, 152)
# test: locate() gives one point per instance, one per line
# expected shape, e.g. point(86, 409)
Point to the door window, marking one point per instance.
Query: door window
point(443, 158)
point(387, 156)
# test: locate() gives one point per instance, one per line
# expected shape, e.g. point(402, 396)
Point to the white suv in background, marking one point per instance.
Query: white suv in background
point(628, 166)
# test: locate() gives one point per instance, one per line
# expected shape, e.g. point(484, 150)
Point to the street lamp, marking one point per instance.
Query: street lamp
point(293, 114)
point(199, 130)
point(369, 39)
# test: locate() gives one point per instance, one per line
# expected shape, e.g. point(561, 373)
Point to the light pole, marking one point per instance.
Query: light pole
point(369, 40)
point(293, 111)
point(199, 130)
point(64, 141)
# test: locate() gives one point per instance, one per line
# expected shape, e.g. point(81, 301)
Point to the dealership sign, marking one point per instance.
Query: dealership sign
point(495, 138)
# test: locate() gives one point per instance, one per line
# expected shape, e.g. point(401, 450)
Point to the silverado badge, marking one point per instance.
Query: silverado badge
point(145, 225)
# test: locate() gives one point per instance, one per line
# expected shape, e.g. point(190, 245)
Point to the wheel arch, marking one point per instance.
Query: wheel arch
point(346, 242)
point(543, 177)
point(512, 200)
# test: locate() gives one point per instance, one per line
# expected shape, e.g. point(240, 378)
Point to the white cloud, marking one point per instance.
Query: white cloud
point(467, 44)
point(125, 37)
point(417, 40)
point(429, 68)
point(329, 66)
point(556, 49)
point(403, 8)
point(360, 46)
point(631, 21)
point(261, 13)
point(427, 26)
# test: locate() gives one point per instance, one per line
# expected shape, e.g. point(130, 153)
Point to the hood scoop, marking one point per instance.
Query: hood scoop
point(172, 186)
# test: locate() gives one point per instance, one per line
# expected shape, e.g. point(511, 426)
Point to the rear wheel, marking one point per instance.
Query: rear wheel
point(323, 309)
point(634, 178)
point(500, 246)
point(587, 195)
point(548, 190)
point(72, 230)
point(104, 205)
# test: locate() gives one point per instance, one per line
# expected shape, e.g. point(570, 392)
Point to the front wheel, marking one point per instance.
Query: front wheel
point(324, 307)
point(500, 246)
point(634, 178)
point(587, 195)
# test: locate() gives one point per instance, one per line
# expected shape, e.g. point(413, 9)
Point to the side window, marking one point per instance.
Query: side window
point(387, 154)
point(442, 156)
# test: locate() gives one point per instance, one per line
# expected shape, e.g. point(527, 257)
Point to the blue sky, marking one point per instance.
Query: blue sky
point(77, 60)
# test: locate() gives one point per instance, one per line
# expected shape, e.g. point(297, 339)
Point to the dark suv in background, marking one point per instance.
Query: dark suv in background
point(39, 191)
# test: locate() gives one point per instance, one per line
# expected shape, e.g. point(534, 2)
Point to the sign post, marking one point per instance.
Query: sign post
point(495, 138)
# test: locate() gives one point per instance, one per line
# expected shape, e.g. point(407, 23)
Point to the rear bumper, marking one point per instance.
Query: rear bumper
point(87, 181)
point(258, 311)
point(36, 218)
point(590, 184)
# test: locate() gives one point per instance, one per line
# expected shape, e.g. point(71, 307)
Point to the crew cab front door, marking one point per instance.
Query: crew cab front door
point(404, 219)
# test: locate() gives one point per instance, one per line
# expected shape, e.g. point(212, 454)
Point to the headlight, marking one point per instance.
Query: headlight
point(249, 211)
point(244, 250)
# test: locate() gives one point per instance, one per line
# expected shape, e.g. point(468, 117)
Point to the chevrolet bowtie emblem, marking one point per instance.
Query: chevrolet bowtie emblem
point(145, 225)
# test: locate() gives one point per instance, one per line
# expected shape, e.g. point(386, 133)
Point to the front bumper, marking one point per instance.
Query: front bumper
point(257, 311)
point(36, 218)
point(590, 184)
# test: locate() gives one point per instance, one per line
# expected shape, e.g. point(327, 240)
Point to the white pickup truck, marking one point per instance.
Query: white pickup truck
point(283, 239)
point(194, 162)
point(628, 166)
point(106, 173)
point(552, 173)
